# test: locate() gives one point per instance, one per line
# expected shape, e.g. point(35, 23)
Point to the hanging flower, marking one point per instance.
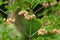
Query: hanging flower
point(42, 31)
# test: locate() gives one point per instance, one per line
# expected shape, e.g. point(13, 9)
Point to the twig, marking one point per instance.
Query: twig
point(23, 29)
point(30, 37)
point(30, 27)
point(38, 9)
point(34, 33)
point(3, 11)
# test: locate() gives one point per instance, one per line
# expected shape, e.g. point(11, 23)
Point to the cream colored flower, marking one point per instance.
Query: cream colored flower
point(53, 3)
point(23, 13)
point(10, 20)
point(42, 31)
point(33, 15)
point(29, 17)
point(45, 5)
point(56, 31)
point(13, 20)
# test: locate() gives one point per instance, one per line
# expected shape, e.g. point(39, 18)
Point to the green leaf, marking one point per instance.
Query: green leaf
point(5, 2)
point(50, 0)
point(10, 9)
point(15, 6)
point(1, 2)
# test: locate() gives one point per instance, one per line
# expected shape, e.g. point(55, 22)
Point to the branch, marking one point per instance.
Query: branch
point(3, 11)
point(30, 37)
point(38, 9)
point(30, 27)
point(23, 29)
point(21, 26)
point(34, 33)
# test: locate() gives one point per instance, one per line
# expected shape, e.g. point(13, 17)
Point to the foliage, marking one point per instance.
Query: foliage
point(1, 2)
point(48, 22)
point(5, 33)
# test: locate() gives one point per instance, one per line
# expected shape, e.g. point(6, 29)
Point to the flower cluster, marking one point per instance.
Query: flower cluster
point(53, 3)
point(23, 13)
point(56, 31)
point(26, 15)
point(42, 31)
point(29, 17)
point(46, 4)
point(10, 20)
